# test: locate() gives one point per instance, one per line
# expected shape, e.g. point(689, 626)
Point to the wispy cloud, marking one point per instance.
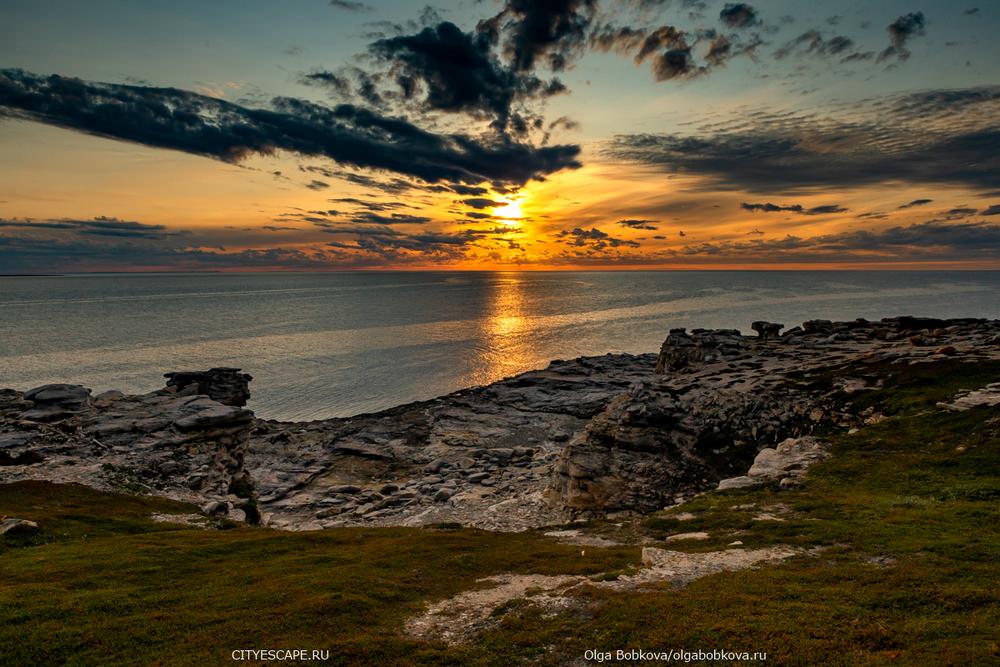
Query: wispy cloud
point(954, 138)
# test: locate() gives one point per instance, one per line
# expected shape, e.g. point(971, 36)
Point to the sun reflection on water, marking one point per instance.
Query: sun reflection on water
point(504, 331)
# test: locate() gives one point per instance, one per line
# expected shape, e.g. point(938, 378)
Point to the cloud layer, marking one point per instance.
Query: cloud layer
point(939, 137)
point(346, 134)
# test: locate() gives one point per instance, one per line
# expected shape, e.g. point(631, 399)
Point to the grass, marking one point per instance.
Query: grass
point(102, 584)
point(907, 512)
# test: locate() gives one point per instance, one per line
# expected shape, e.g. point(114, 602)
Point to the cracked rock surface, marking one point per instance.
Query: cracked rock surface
point(594, 436)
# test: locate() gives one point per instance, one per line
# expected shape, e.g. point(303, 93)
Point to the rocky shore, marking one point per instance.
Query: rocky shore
point(594, 436)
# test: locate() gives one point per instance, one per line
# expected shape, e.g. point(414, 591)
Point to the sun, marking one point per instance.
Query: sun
point(510, 211)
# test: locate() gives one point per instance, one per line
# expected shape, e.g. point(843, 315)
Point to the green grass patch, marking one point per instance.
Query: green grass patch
point(105, 585)
point(907, 513)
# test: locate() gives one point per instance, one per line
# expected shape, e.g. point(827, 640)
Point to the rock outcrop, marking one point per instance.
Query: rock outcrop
point(225, 385)
point(56, 401)
point(178, 444)
point(717, 398)
point(787, 463)
point(682, 349)
point(584, 437)
point(766, 330)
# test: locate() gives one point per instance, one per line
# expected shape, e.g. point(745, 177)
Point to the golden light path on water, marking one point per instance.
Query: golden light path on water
point(504, 330)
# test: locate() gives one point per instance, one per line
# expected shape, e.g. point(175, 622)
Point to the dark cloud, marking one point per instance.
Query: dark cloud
point(371, 218)
point(992, 210)
point(948, 101)
point(468, 190)
point(927, 240)
point(664, 38)
point(99, 226)
point(619, 39)
point(347, 134)
point(960, 212)
point(634, 223)
point(670, 50)
point(665, 48)
point(337, 84)
point(971, 11)
point(675, 63)
point(391, 219)
point(391, 244)
point(438, 247)
point(719, 50)
point(738, 15)
point(564, 123)
point(368, 204)
point(458, 72)
point(880, 141)
point(392, 186)
point(858, 56)
point(351, 5)
point(793, 208)
point(916, 202)
point(900, 32)
point(813, 43)
point(21, 254)
point(593, 239)
point(481, 203)
point(317, 185)
point(550, 30)
point(100, 244)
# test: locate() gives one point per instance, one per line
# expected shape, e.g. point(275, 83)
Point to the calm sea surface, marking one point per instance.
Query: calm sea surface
point(325, 345)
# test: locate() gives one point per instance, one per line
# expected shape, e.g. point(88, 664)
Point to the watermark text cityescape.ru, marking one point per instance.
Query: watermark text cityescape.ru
point(280, 654)
point(673, 656)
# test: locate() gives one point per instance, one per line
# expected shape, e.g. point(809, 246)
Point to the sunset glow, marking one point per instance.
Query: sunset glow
point(510, 212)
point(764, 148)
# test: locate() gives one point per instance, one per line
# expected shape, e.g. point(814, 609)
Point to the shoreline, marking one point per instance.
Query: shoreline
point(613, 435)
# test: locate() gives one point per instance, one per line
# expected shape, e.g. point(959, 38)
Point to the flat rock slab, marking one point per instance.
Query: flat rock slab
point(459, 618)
point(966, 400)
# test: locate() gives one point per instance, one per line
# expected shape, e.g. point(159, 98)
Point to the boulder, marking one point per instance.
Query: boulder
point(56, 401)
point(767, 330)
point(788, 461)
point(225, 385)
point(14, 526)
point(824, 327)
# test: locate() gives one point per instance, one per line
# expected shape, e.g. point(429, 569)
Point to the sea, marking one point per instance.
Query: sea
point(323, 345)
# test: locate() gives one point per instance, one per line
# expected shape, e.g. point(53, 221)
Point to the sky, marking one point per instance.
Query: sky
point(511, 134)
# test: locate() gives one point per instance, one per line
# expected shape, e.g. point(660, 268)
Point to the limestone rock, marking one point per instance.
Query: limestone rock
point(186, 447)
point(610, 435)
point(767, 330)
point(788, 461)
point(225, 385)
point(56, 401)
point(14, 526)
point(682, 349)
